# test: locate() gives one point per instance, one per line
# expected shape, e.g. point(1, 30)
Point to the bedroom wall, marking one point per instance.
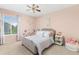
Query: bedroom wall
point(65, 21)
point(26, 23)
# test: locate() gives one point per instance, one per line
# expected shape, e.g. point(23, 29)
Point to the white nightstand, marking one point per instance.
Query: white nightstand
point(59, 40)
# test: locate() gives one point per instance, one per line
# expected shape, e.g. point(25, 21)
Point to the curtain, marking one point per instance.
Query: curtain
point(1, 29)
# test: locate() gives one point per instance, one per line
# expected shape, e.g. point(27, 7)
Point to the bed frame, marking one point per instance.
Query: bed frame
point(35, 52)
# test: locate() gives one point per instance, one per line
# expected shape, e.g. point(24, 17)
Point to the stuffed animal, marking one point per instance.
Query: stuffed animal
point(71, 41)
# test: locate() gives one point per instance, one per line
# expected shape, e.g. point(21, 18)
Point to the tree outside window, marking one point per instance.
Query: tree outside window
point(10, 24)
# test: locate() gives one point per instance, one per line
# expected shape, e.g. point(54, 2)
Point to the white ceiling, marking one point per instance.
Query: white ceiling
point(45, 8)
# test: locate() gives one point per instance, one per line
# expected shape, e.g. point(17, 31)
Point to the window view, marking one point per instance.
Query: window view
point(10, 24)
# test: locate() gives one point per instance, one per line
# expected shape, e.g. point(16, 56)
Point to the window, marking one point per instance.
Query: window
point(10, 24)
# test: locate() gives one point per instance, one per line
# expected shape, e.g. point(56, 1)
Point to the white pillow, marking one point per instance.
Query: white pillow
point(46, 33)
point(43, 33)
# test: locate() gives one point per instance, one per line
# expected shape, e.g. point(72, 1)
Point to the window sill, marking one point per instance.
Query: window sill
point(10, 35)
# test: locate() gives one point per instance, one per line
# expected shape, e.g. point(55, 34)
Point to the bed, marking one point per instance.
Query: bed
point(40, 41)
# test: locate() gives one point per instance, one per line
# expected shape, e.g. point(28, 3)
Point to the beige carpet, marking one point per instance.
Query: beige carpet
point(14, 49)
point(17, 49)
point(59, 50)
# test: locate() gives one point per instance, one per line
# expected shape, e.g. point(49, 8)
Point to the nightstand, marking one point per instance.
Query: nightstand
point(59, 39)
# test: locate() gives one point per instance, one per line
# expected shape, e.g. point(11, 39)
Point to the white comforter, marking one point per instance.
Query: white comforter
point(41, 42)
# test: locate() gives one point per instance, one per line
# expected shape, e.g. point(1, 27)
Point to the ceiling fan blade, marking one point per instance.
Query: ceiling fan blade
point(38, 10)
point(28, 6)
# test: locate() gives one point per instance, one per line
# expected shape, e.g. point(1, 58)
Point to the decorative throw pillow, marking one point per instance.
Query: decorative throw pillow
point(71, 41)
point(45, 33)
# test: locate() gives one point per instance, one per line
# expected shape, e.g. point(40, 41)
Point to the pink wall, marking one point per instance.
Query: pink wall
point(66, 21)
point(26, 23)
point(9, 39)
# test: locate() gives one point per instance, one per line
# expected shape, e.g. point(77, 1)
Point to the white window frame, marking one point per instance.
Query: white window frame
point(11, 30)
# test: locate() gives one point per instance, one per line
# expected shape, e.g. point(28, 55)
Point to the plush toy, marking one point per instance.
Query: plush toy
point(71, 41)
point(25, 31)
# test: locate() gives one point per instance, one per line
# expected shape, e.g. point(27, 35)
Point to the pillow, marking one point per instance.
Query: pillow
point(43, 33)
point(46, 33)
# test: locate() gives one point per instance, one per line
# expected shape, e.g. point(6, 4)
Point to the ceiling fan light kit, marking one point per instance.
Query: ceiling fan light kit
point(35, 8)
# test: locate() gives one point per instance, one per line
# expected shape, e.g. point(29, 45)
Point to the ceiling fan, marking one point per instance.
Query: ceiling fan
point(34, 8)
